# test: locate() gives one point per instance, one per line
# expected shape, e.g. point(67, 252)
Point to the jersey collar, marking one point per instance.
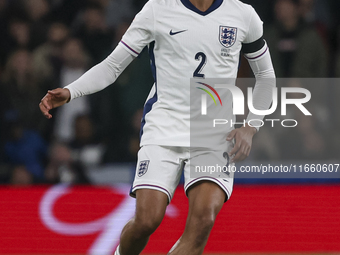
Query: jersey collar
point(213, 7)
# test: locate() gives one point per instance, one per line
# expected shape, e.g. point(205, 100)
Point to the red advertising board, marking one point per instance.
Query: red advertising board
point(88, 220)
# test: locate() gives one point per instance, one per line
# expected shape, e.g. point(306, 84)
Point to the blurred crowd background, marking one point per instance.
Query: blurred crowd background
point(46, 44)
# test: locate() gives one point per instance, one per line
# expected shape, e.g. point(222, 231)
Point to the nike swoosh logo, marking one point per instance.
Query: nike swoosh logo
point(175, 33)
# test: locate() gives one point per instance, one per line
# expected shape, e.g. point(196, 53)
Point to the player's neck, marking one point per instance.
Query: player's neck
point(202, 5)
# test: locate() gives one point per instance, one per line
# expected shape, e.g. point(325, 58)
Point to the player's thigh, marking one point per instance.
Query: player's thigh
point(150, 207)
point(206, 199)
point(158, 168)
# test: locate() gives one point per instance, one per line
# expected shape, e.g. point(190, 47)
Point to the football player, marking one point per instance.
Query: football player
point(186, 39)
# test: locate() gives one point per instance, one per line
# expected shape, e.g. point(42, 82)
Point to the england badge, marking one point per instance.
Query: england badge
point(228, 36)
point(143, 167)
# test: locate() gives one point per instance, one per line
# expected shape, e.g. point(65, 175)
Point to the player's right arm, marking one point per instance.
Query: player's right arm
point(105, 73)
point(53, 99)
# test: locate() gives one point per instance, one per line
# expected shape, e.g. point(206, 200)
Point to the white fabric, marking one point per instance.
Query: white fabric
point(179, 34)
point(117, 251)
point(101, 75)
point(255, 30)
point(168, 122)
point(261, 64)
point(160, 168)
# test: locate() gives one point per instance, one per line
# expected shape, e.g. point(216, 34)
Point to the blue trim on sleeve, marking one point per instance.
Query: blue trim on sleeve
point(127, 46)
point(213, 7)
point(151, 101)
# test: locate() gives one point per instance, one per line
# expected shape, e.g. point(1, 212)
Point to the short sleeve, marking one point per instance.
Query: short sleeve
point(141, 31)
point(255, 30)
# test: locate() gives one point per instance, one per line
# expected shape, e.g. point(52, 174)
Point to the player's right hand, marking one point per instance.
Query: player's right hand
point(53, 99)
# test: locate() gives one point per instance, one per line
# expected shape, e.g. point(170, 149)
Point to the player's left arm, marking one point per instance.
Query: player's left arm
point(256, 51)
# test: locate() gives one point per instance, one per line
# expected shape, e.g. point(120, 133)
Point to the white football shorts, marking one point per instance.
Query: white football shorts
point(160, 168)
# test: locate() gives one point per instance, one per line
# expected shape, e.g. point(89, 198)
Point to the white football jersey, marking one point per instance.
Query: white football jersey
point(185, 43)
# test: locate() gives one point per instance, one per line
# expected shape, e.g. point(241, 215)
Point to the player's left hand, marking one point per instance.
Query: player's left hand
point(243, 141)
